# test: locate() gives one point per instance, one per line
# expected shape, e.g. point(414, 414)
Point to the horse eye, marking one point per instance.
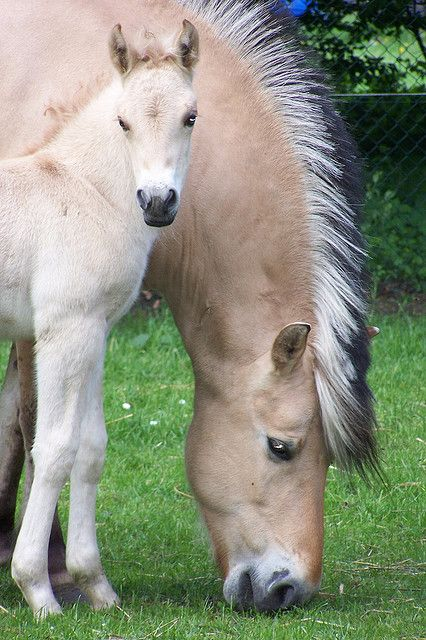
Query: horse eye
point(190, 121)
point(280, 449)
point(122, 124)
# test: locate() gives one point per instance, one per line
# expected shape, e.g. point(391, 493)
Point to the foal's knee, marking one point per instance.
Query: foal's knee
point(91, 453)
point(55, 456)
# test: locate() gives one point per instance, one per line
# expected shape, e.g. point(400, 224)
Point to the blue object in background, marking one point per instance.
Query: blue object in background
point(296, 7)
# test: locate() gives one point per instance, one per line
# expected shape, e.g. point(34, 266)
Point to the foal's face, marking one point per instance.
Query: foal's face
point(157, 113)
point(259, 475)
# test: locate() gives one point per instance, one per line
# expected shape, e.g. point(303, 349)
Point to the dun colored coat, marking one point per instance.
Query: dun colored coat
point(263, 270)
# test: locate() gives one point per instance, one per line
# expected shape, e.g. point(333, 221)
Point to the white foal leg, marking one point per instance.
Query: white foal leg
point(62, 584)
point(83, 559)
point(66, 358)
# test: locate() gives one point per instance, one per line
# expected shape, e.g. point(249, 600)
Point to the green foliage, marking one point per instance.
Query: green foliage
point(370, 47)
point(396, 233)
point(366, 43)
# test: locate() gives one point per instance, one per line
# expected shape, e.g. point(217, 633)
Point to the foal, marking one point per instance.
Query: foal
point(73, 249)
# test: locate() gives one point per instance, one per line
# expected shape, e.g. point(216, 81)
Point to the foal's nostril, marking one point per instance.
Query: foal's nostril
point(143, 200)
point(171, 199)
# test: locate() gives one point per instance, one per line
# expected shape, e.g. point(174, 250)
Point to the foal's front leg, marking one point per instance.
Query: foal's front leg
point(83, 559)
point(65, 590)
point(66, 356)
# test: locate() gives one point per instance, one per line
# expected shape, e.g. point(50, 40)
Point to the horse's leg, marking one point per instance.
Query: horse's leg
point(64, 588)
point(65, 360)
point(11, 456)
point(83, 559)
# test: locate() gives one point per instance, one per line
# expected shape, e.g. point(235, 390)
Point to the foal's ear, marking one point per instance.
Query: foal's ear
point(289, 346)
point(187, 46)
point(121, 54)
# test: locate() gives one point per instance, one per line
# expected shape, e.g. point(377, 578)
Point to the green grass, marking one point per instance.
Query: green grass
point(155, 551)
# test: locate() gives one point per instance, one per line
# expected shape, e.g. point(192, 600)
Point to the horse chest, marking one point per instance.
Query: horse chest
point(97, 269)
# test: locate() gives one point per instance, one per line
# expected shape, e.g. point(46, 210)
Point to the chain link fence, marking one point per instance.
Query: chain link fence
point(375, 54)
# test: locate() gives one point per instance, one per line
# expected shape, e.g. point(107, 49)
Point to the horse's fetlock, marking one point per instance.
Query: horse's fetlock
point(26, 570)
point(84, 566)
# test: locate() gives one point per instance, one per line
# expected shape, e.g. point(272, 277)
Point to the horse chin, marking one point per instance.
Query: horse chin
point(164, 221)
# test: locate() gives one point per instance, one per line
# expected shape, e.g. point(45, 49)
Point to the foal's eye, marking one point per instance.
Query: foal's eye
point(122, 124)
point(280, 449)
point(190, 120)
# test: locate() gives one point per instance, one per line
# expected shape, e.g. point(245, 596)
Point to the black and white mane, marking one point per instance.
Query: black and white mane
point(334, 194)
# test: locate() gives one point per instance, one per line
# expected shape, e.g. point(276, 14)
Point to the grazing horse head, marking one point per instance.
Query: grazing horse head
point(158, 134)
point(259, 480)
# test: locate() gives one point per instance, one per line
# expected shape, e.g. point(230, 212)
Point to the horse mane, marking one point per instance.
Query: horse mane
point(289, 74)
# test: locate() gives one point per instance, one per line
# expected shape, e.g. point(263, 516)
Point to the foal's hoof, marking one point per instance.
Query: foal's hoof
point(6, 548)
point(53, 608)
point(102, 595)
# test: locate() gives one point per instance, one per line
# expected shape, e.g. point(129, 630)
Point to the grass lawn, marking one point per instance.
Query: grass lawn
point(155, 550)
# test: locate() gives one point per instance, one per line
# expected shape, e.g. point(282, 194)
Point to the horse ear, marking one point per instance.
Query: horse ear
point(372, 332)
point(119, 51)
point(289, 346)
point(187, 46)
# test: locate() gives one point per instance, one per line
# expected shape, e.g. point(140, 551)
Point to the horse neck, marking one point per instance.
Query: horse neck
point(231, 282)
point(92, 146)
point(237, 265)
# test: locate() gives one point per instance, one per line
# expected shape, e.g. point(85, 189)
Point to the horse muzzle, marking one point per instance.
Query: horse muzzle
point(159, 210)
point(263, 589)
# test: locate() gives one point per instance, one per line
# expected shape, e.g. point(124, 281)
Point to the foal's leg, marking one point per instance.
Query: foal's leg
point(83, 559)
point(11, 456)
point(65, 359)
point(63, 586)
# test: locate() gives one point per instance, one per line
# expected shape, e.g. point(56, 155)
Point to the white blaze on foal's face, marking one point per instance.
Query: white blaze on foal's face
point(156, 112)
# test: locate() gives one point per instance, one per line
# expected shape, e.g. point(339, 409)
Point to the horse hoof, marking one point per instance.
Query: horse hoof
point(69, 593)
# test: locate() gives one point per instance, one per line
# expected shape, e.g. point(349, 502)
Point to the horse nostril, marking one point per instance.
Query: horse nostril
point(143, 200)
point(245, 592)
point(285, 596)
point(279, 579)
point(171, 199)
point(281, 594)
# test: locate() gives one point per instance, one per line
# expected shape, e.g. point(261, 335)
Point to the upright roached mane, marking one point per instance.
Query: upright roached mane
point(333, 190)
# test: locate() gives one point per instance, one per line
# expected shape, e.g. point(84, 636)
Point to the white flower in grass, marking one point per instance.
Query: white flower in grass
point(126, 405)
point(182, 401)
point(153, 423)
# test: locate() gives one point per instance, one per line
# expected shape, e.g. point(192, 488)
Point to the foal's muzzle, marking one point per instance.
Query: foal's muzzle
point(159, 208)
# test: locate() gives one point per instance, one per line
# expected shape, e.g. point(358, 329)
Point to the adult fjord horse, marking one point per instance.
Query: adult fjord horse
point(263, 271)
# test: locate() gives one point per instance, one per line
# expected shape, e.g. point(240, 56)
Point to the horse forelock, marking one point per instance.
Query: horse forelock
point(148, 48)
point(333, 191)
